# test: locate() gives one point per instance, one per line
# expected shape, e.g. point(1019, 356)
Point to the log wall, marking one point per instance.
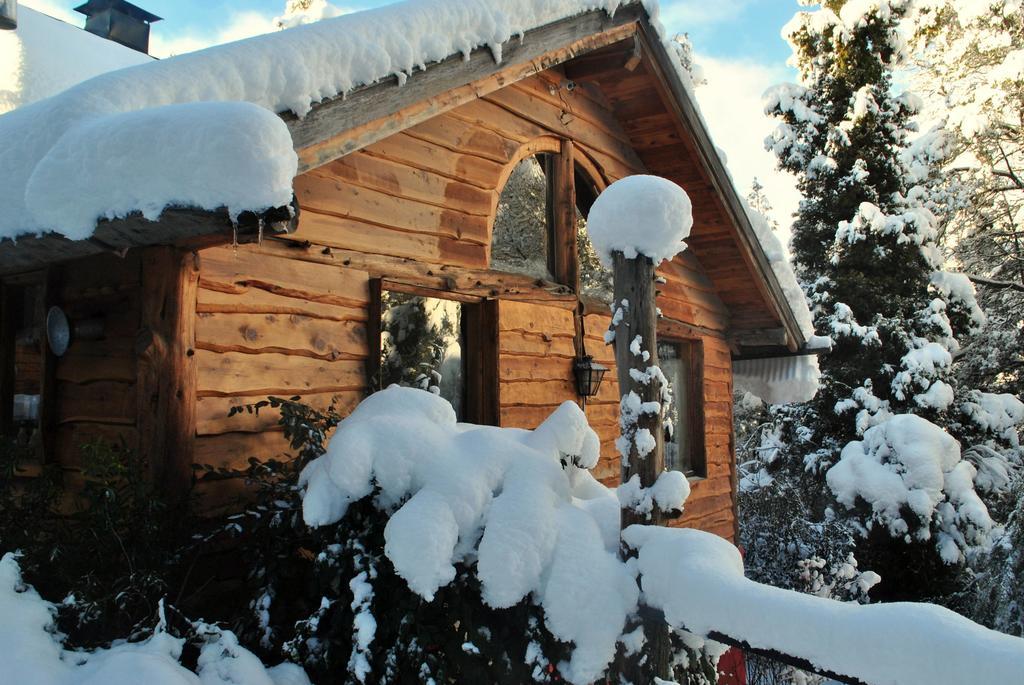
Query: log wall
point(96, 381)
point(289, 316)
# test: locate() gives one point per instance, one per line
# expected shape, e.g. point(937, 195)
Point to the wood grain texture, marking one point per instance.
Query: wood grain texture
point(166, 385)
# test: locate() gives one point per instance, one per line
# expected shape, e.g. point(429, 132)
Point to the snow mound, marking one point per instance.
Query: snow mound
point(31, 652)
point(909, 464)
point(640, 215)
point(697, 579)
point(238, 156)
point(513, 501)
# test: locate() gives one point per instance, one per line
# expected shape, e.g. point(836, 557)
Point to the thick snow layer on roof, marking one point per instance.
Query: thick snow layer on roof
point(31, 652)
point(778, 380)
point(640, 215)
point(287, 70)
point(783, 270)
point(44, 56)
point(697, 579)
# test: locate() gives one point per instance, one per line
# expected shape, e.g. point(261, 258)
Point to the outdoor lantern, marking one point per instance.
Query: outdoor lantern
point(588, 376)
point(60, 332)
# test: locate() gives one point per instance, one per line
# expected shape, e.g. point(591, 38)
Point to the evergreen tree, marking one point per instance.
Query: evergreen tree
point(864, 243)
point(758, 200)
point(968, 57)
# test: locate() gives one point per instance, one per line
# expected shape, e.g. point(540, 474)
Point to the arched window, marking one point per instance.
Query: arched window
point(521, 240)
point(524, 241)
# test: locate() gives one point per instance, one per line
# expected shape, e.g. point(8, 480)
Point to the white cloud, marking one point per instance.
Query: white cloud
point(690, 13)
point(240, 25)
point(731, 104)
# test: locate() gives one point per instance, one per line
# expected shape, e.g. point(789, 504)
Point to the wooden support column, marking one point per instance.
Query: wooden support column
point(634, 282)
point(563, 188)
point(166, 362)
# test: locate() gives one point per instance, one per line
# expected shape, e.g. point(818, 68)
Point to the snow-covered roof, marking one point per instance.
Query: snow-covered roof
point(202, 130)
point(44, 56)
point(46, 148)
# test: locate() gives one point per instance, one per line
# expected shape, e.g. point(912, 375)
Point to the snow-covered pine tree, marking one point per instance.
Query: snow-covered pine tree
point(864, 244)
point(969, 59)
point(970, 70)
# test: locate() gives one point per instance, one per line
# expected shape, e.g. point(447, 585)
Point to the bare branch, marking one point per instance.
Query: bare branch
point(993, 283)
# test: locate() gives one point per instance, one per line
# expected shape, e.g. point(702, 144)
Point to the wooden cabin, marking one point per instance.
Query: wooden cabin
point(402, 198)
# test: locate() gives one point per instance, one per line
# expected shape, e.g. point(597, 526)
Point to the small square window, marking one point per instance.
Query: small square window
point(680, 361)
point(442, 346)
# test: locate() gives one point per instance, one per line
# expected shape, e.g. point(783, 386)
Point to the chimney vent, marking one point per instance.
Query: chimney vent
point(8, 14)
point(119, 21)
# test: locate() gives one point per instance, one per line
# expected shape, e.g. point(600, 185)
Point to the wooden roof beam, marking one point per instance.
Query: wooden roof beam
point(373, 112)
point(189, 228)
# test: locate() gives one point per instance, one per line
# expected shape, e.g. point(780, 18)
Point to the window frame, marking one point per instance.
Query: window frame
point(693, 349)
point(479, 321)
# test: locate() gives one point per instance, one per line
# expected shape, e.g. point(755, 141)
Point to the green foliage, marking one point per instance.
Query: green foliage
point(114, 545)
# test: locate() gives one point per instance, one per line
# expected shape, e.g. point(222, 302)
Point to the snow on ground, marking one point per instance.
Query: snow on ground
point(31, 651)
point(640, 215)
point(697, 580)
point(45, 56)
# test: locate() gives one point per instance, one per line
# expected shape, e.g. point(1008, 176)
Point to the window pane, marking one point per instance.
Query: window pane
point(674, 360)
point(519, 243)
point(595, 279)
point(421, 345)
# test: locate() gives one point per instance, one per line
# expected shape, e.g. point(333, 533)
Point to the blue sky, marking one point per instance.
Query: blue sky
point(733, 29)
point(737, 42)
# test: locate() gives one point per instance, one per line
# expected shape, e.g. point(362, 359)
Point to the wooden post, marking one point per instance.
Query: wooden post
point(166, 363)
point(634, 287)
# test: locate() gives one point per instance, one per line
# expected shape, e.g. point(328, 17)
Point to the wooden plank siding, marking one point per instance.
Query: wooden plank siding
point(290, 316)
point(96, 380)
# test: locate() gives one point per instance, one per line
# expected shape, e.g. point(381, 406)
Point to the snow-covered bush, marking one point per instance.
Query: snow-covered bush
point(441, 552)
point(909, 471)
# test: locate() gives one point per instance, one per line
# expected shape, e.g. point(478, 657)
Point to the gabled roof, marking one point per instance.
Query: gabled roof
point(340, 76)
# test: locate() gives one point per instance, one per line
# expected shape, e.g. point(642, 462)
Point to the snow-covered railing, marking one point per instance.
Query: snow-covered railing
point(697, 580)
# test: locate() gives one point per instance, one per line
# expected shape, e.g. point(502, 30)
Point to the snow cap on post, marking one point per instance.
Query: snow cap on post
point(640, 215)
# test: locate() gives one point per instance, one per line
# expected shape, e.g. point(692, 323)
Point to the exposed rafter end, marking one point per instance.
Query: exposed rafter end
point(633, 61)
